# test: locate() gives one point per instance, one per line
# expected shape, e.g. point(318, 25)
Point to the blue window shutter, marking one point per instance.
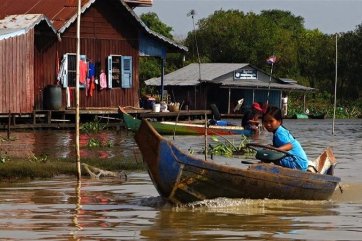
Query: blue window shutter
point(126, 68)
point(110, 72)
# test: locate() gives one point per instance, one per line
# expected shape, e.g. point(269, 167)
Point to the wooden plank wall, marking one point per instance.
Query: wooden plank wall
point(16, 74)
point(103, 32)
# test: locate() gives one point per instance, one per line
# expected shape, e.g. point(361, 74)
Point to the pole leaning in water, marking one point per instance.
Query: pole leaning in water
point(271, 60)
point(270, 77)
point(335, 88)
point(77, 95)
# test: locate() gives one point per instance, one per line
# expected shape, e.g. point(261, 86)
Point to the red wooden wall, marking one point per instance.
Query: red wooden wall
point(103, 32)
point(16, 73)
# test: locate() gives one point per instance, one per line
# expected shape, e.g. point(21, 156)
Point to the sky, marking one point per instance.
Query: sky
point(329, 16)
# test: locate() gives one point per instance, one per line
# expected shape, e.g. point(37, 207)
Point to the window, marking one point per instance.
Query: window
point(68, 70)
point(126, 67)
point(119, 71)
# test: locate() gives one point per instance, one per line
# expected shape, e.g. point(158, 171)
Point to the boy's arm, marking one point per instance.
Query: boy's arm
point(286, 147)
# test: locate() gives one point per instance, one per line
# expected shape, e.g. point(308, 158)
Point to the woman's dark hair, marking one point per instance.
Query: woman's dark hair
point(275, 112)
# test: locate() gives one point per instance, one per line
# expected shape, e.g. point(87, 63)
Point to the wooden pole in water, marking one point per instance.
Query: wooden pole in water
point(77, 95)
point(205, 136)
point(270, 79)
point(335, 88)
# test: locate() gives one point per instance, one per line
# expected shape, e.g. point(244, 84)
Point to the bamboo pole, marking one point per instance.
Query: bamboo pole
point(206, 136)
point(77, 95)
point(78, 205)
point(270, 79)
point(335, 88)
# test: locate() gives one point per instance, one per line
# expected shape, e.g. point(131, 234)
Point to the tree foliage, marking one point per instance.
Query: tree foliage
point(308, 56)
point(154, 23)
point(151, 66)
point(232, 36)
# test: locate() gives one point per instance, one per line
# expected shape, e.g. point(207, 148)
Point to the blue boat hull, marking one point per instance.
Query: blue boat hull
point(181, 178)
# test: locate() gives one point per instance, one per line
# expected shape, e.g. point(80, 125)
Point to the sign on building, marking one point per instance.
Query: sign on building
point(245, 74)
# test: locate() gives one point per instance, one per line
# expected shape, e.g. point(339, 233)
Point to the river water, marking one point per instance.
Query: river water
point(109, 209)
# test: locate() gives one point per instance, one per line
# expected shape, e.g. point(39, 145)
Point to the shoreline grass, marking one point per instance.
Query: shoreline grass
point(16, 169)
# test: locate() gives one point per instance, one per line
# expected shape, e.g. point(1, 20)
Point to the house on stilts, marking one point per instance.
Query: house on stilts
point(223, 84)
point(38, 46)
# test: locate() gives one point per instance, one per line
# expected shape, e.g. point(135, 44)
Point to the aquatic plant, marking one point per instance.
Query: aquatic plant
point(96, 142)
point(3, 156)
point(229, 148)
point(94, 126)
point(41, 158)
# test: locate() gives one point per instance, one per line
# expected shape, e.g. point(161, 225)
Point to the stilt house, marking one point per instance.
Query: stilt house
point(38, 46)
point(223, 84)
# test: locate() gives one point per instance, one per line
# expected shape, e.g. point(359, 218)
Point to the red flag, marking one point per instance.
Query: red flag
point(272, 59)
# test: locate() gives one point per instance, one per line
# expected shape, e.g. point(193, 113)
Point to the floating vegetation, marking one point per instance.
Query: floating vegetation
point(3, 156)
point(40, 158)
point(229, 148)
point(96, 142)
point(93, 127)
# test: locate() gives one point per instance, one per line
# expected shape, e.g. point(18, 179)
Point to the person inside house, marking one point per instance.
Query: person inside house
point(284, 140)
point(251, 117)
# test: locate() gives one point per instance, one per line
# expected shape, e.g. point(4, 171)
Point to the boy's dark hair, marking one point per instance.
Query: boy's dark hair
point(275, 112)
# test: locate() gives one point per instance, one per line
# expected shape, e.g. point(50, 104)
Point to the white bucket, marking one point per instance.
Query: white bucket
point(163, 107)
point(156, 107)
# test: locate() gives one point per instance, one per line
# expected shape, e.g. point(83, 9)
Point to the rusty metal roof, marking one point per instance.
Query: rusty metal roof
point(14, 25)
point(62, 13)
point(58, 11)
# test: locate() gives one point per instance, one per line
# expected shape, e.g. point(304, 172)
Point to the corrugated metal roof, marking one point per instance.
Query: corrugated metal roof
point(73, 15)
point(190, 75)
point(15, 25)
point(63, 13)
point(287, 80)
point(9, 33)
point(211, 72)
point(258, 84)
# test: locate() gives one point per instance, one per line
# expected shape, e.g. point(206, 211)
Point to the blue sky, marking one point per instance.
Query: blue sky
point(329, 16)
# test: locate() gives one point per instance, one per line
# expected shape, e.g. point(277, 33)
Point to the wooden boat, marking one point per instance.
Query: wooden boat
point(300, 116)
point(169, 128)
point(309, 116)
point(181, 178)
point(317, 115)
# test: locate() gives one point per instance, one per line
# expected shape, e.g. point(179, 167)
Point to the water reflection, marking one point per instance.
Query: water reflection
point(109, 209)
point(63, 209)
point(242, 220)
point(61, 144)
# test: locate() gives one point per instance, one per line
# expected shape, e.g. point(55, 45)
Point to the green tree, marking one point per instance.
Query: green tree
point(316, 59)
point(232, 36)
point(154, 23)
point(350, 64)
point(151, 66)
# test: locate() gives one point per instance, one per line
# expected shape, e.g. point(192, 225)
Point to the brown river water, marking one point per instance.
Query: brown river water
point(108, 209)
